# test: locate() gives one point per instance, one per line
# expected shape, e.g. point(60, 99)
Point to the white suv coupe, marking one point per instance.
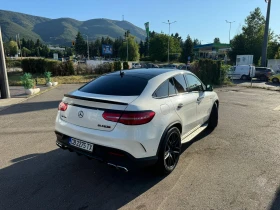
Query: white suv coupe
point(136, 117)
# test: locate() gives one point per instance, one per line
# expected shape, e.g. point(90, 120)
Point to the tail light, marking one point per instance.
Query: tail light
point(129, 118)
point(62, 106)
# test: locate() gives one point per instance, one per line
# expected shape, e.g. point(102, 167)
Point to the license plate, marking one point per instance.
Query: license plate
point(81, 144)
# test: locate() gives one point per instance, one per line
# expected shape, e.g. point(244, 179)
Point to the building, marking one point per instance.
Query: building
point(212, 51)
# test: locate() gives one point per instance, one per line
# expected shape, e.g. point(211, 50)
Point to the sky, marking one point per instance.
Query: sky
point(201, 19)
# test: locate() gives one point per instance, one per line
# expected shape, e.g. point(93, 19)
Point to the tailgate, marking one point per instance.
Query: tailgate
point(87, 111)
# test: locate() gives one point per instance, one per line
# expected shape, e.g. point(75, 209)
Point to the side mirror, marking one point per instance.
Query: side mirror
point(209, 88)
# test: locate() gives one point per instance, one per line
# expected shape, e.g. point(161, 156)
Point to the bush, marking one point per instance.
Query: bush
point(125, 65)
point(83, 69)
point(39, 66)
point(209, 71)
point(48, 75)
point(147, 58)
point(27, 81)
point(104, 68)
point(117, 66)
point(13, 63)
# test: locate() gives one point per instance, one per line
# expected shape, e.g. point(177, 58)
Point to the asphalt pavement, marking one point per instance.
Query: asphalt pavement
point(237, 166)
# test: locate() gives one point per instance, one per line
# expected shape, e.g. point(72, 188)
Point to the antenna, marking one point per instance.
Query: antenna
point(122, 17)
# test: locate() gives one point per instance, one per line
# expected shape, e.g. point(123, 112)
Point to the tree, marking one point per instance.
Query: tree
point(11, 48)
point(251, 39)
point(25, 52)
point(80, 45)
point(159, 47)
point(141, 49)
point(217, 40)
point(133, 49)
point(277, 55)
point(187, 50)
point(116, 46)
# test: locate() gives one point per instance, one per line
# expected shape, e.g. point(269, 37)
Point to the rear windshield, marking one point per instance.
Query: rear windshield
point(116, 85)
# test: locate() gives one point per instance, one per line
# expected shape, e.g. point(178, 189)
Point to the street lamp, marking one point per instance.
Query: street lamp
point(169, 35)
point(87, 47)
point(229, 29)
point(265, 39)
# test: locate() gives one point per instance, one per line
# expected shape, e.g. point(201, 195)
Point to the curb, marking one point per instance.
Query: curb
point(25, 99)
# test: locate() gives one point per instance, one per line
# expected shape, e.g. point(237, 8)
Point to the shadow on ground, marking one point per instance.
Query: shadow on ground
point(30, 107)
point(62, 180)
point(275, 205)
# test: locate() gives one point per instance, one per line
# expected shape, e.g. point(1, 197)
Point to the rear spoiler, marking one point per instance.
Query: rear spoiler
point(94, 99)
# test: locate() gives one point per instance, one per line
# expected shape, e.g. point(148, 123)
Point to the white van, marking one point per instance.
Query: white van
point(243, 72)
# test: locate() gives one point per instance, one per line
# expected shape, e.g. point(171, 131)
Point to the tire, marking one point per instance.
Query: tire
point(214, 117)
point(244, 77)
point(169, 152)
point(275, 80)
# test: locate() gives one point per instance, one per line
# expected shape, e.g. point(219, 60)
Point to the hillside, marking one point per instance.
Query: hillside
point(63, 30)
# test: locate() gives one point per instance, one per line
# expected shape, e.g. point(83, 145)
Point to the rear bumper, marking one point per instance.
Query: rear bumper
point(107, 155)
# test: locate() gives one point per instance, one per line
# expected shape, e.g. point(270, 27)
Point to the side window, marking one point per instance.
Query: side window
point(171, 88)
point(162, 90)
point(180, 83)
point(193, 83)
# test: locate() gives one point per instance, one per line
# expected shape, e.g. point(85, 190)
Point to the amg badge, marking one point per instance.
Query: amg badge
point(104, 126)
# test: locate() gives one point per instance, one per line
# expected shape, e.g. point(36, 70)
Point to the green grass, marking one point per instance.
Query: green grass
point(14, 79)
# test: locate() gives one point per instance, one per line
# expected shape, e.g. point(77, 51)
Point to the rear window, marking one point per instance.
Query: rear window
point(116, 85)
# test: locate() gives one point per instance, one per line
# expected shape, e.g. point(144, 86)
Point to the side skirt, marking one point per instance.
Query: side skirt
point(194, 133)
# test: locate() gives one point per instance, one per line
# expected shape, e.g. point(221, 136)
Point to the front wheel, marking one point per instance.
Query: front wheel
point(169, 152)
point(214, 117)
point(275, 80)
point(244, 77)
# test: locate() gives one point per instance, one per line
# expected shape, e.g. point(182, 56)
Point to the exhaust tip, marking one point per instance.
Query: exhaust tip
point(121, 168)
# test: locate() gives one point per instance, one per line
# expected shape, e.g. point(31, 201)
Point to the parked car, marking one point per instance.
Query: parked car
point(243, 72)
point(136, 65)
point(274, 78)
point(150, 65)
point(263, 73)
point(142, 118)
point(184, 67)
point(170, 66)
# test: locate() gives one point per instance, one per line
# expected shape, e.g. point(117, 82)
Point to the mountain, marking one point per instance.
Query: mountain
point(63, 30)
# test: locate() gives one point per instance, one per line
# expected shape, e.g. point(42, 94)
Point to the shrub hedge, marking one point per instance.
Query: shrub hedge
point(13, 63)
point(209, 71)
point(125, 65)
point(39, 66)
point(117, 65)
point(104, 68)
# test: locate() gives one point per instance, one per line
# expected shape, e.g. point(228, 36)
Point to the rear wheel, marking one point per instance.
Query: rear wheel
point(214, 117)
point(169, 152)
point(275, 80)
point(244, 77)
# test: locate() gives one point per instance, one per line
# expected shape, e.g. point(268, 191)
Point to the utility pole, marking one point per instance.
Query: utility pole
point(87, 46)
point(265, 39)
point(169, 36)
point(19, 46)
point(230, 22)
point(127, 36)
point(4, 84)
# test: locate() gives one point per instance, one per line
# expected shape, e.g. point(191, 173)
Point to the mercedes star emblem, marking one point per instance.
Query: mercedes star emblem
point(80, 114)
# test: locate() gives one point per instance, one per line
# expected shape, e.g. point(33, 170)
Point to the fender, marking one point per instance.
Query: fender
point(165, 132)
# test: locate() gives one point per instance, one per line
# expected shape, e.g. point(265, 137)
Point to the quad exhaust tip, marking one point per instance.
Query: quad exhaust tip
point(121, 168)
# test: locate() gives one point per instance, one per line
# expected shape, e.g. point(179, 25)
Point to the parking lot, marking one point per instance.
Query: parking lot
point(237, 166)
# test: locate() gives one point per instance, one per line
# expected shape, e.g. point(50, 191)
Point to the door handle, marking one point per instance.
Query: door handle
point(180, 106)
point(199, 99)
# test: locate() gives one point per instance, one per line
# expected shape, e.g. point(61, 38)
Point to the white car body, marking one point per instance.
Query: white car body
point(136, 65)
point(190, 111)
point(242, 72)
